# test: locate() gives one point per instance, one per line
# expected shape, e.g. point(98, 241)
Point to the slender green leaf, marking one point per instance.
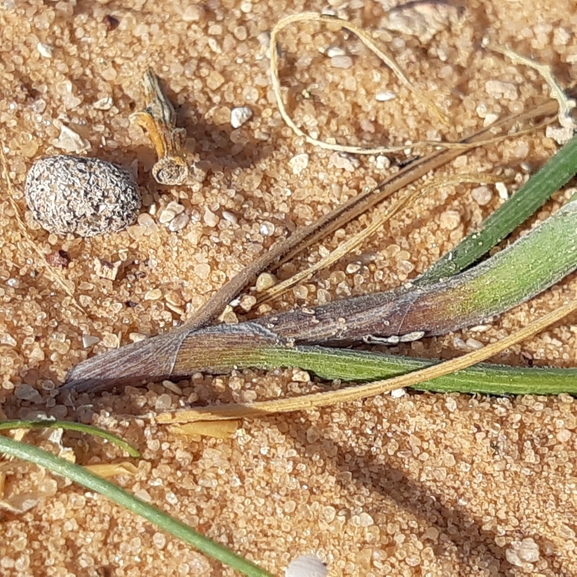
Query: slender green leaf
point(536, 191)
point(70, 426)
point(164, 521)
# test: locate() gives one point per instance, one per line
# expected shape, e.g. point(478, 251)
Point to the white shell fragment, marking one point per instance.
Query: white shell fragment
point(103, 103)
point(385, 96)
point(421, 19)
point(306, 566)
point(89, 340)
point(45, 50)
point(70, 141)
point(81, 195)
point(299, 162)
point(240, 115)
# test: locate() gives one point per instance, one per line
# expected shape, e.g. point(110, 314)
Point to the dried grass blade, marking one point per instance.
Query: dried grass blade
point(307, 402)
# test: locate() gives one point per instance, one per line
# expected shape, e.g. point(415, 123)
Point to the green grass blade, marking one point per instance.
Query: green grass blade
point(94, 483)
point(70, 426)
point(536, 191)
point(347, 365)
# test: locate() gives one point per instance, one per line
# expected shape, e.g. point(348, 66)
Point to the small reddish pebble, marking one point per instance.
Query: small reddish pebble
point(58, 258)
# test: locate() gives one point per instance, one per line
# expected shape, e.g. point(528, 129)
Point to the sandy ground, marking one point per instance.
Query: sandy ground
point(415, 485)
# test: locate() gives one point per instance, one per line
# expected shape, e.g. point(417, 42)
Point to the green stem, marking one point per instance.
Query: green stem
point(92, 482)
point(532, 195)
point(70, 426)
point(348, 365)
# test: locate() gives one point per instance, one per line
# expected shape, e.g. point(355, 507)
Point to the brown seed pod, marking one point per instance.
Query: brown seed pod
point(81, 195)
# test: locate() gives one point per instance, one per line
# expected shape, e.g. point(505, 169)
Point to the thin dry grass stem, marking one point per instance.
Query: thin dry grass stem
point(388, 60)
point(566, 104)
point(302, 238)
point(307, 402)
point(370, 44)
point(54, 276)
point(358, 239)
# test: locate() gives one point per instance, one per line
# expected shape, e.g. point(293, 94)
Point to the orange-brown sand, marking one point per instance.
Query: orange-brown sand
point(419, 484)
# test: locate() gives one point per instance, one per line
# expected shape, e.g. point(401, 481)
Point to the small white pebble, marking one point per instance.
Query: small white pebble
point(265, 281)
point(385, 96)
point(166, 216)
point(489, 119)
point(163, 402)
point(300, 376)
point(267, 228)
point(45, 50)
point(560, 134)
point(298, 163)
point(561, 36)
point(230, 217)
point(239, 116)
point(306, 566)
point(398, 393)
point(450, 220)
point(333, 51)
point(482, 195)
point(103, 104)
point(474, 344)
point(513, 558)
point(89, 340)
point(153, 295)
point(343, 161)
point(247, 302)
point(451, 404)
point(382, 162)
point(353, 267)
point(8, 340)
point(528, 551)
point(498, 90)
point(343, 62)
point(502, 190)
point(209, 218)
point(136, 337)
point(70, 141)
point(179, 222)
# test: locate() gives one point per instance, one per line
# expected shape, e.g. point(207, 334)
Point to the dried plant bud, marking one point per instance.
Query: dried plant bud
point(81, 195)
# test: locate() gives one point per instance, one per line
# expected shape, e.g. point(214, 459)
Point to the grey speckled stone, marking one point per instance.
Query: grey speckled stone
point(81, 195)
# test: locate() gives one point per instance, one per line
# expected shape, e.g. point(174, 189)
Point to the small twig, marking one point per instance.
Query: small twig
point(565, 104)
point(358, 239)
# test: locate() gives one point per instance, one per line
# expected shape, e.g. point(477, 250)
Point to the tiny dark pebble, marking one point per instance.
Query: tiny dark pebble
point(58, 258)
point(81, 195)
point(130, 304)
point(111, 22)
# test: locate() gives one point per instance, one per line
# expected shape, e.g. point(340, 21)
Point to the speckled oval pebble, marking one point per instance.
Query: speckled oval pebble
point(81, 195)
point(306, 566)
